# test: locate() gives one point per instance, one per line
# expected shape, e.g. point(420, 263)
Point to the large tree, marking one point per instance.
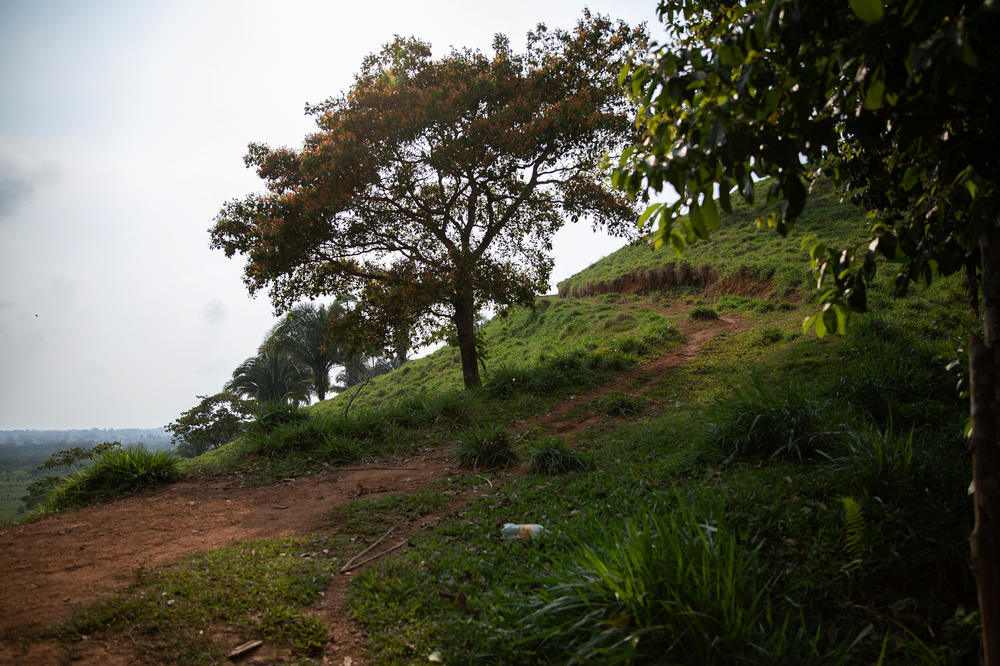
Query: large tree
point(441, 182)
point(898, 102)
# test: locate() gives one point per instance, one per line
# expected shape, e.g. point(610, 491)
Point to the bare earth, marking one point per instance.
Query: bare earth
point(52, 565)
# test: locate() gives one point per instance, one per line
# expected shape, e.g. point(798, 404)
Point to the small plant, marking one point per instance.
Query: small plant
point(549, 456)
point(761, 422)
point(854, 529)
point(703, 313)
point(115, 472)
point(616, 403)
point(485, 448)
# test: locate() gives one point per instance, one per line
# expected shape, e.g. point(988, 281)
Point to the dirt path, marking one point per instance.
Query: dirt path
point(564, 420)
point(54, 564)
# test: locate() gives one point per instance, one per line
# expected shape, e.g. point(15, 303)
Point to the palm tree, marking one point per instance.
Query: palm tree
point(304, 335)
point(271, 377)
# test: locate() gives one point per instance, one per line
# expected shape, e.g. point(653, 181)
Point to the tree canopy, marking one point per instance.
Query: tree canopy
point(432, 188)
point(897, 101)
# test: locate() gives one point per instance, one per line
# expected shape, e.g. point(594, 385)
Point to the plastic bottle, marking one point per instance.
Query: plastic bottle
point(513, 531)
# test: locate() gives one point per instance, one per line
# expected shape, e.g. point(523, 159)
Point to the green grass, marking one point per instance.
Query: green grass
point(775, 499)
point(113, 473)
point(740, 246)
point(259, 590)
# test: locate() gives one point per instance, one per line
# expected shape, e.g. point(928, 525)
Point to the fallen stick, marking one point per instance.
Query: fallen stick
point(347, 566)
point(376, 556)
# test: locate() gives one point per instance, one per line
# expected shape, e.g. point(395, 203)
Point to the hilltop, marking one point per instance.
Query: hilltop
point(711, 482)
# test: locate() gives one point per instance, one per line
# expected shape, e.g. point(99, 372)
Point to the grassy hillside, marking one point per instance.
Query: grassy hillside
point(740, 245)
point(772, 498)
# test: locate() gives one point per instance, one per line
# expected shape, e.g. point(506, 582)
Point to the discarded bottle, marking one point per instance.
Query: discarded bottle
point(513, 531)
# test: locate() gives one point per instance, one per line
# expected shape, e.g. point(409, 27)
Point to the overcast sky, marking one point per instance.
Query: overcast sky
point(122, 131)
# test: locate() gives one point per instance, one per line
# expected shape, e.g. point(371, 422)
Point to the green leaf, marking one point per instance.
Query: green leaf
point(910, 177)
point(710, 215)
point(646, 214)
point(697, 224)
point(869, 11)
point(623, 73)
point(677, 242)
point(875, 94)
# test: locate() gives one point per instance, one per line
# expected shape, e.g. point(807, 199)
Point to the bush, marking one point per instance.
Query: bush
point(485, 448)
point(760, 422)
point(549, 456)
point(115, 472)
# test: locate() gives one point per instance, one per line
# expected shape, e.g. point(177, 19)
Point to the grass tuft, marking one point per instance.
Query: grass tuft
point(550, 456)
point(488, 447)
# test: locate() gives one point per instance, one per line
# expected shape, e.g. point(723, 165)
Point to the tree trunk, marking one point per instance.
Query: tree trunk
point(465, 326)
point(984, 381)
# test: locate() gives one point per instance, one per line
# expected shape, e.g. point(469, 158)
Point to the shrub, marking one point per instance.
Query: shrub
point(485, 448)
point(549, 456)
point(760, 422)
point(115, 472)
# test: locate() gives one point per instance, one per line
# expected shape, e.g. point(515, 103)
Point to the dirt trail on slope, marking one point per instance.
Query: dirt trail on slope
point(563, 419)
point(54, 564)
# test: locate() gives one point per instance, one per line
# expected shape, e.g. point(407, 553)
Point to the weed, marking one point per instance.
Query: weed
point(485, 448)
point(549, 456)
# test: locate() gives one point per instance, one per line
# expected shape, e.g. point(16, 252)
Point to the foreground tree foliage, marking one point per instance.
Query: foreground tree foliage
point(433, 188)
point(896, 101)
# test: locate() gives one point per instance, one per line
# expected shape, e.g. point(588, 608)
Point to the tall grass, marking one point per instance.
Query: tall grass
point(116, 472)
point(772, 422)
point(488, 447)
point(662, 589)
